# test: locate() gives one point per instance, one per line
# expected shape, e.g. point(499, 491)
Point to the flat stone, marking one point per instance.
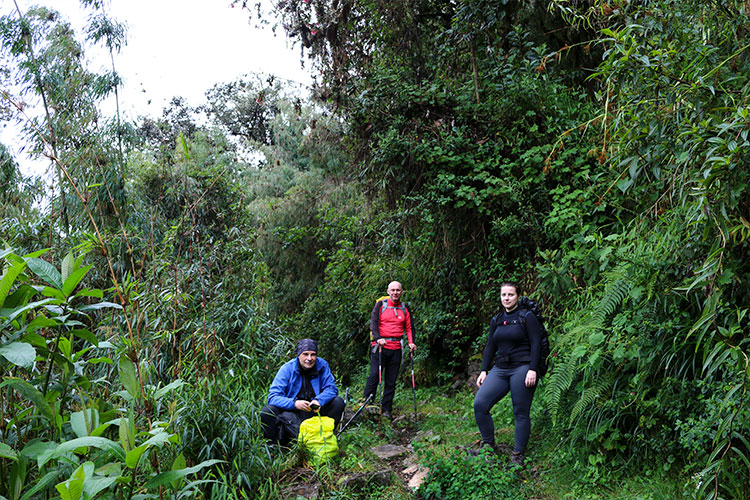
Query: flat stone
point(308, 491)
point(410, 470)
point(359, 481)
point(417, 479)
point(388, 451)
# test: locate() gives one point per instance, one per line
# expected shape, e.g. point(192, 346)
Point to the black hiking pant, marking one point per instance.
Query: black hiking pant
point(282, 426)
point(390, 360)
point(497, 384)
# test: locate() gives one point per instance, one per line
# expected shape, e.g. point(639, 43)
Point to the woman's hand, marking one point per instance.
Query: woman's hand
point(530, 378)
point(480, 378)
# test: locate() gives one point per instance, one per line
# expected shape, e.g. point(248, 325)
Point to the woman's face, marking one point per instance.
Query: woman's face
point(509, 297)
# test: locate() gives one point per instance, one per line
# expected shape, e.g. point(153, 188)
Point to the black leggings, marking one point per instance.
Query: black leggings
point(390, 361)
point(497, 384)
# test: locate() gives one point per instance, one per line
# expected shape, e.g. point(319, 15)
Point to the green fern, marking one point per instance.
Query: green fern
point(591, 394)
point(615, 293)
point(560, 381)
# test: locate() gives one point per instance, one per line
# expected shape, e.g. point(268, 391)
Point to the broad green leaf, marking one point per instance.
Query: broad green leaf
point(49, 291)
point(46, 272)
point(35, 254)
point(98, 306)
point(41, 484)
point(134, 456)
point(7, 452)
point(41, 451)
point(72, 489)
point(31, 393)
point(87, 292)
point(93, 486)
point(67, 266)
point(98, 431)
point(126, 440)
point(82, 421)
point(18, 353)
point(101, 443)
point(169, 476)
point(74, 279)
point(86, 335)
point(32, 305)
point(8, 279)
point(179, 463)
point(129, 378)
point(157, 439)
point(41, 322)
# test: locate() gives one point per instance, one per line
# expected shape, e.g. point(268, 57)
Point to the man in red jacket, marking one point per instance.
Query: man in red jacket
point(389, 321)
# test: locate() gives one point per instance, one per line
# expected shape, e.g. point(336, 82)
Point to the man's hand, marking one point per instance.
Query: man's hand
point(302, 405)
point(413, 347)
point(381, 342)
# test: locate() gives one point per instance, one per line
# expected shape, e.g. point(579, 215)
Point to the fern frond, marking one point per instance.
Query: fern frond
point(560, 381)
point(614, 295)
point(591, 394)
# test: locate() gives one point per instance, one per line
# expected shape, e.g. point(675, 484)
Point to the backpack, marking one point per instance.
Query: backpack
point(316, 435)
point(526, 305)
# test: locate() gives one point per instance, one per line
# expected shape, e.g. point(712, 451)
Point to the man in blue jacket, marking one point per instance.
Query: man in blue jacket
point(302, 387)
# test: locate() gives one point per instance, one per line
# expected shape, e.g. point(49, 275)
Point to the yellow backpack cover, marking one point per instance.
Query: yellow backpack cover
point(316, 434)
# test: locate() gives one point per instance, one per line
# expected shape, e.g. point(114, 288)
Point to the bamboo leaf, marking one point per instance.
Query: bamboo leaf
point(160, 393)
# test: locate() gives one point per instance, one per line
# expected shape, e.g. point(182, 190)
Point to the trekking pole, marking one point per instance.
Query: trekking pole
point(346, 401)
point(380, 373)
point(413, 387)
point(355, 415)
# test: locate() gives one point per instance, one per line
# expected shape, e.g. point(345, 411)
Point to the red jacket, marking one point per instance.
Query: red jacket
point(391, 324)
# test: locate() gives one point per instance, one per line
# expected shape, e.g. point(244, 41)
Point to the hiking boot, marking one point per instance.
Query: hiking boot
point(517, 458)
point(387, 414)
point(482, 446)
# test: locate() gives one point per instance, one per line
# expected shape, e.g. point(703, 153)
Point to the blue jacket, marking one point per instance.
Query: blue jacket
point(288, 381)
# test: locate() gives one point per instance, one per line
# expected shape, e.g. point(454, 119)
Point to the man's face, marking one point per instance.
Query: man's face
point(395, 291)
point(307, 359)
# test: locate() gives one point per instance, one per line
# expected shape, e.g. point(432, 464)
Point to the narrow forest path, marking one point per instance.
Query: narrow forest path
point(391, 459)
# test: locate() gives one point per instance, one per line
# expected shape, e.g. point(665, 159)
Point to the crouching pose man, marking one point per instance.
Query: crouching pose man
point(302, 387)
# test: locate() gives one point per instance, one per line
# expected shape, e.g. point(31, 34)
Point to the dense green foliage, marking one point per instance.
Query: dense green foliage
point(596, 152)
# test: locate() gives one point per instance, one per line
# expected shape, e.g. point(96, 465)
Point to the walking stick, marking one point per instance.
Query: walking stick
point(413, 387)
point(355, 415)
point(380, 374)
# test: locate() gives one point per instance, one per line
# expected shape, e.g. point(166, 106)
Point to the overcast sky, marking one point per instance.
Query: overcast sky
point(179, 48)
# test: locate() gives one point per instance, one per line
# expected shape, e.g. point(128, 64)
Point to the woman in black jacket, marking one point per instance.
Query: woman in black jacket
point(513, 343)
